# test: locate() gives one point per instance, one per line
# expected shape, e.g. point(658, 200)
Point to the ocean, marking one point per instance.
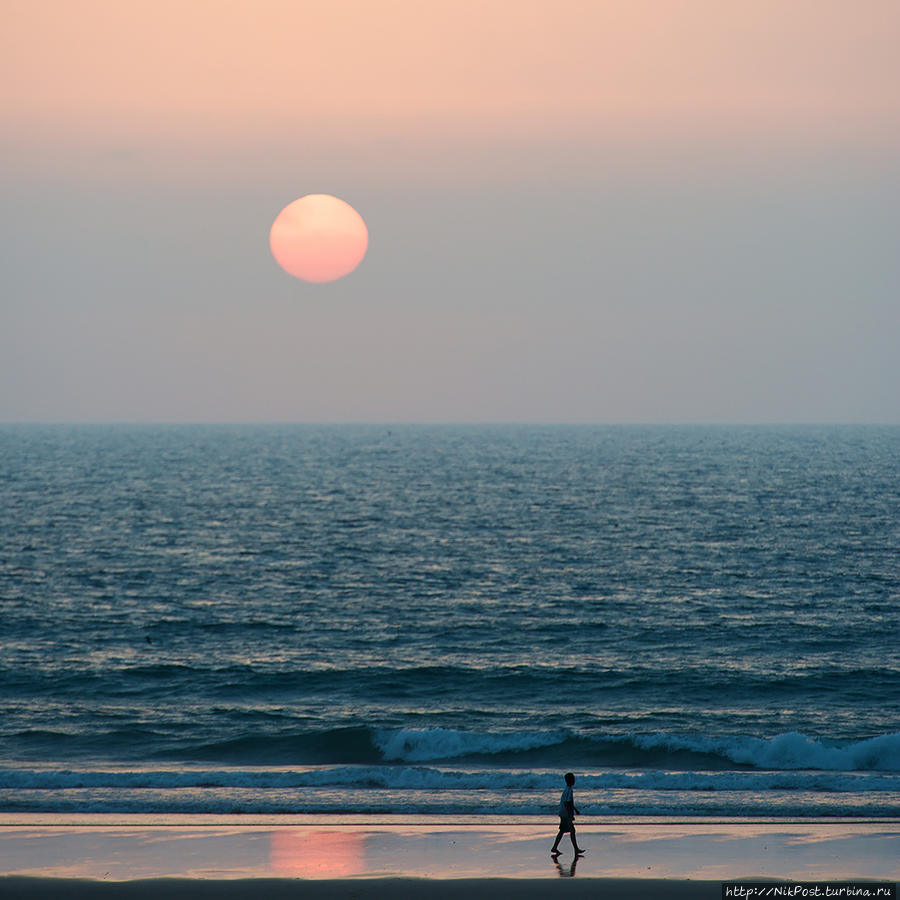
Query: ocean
point(442, 620)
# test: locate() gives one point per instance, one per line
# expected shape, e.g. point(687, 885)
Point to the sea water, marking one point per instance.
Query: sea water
point(443, 620)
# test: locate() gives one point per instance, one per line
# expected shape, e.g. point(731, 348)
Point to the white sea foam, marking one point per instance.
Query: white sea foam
point(788, 751)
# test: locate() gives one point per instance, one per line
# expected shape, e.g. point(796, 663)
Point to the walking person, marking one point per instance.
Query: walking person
point(567, 810)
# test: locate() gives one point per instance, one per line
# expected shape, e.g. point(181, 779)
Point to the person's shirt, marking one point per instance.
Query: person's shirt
point(567, 802)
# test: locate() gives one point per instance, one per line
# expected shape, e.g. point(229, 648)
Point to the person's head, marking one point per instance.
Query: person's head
point(570, 779)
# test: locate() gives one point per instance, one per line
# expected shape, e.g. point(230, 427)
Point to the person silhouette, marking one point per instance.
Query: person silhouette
point(567, 810)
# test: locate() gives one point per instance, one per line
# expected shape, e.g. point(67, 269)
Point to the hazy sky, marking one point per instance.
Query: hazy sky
point(625, 211)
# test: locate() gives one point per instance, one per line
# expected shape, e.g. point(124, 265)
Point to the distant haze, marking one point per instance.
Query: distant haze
point(616, 212)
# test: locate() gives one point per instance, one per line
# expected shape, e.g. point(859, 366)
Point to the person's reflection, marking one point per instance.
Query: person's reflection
point(566, 871)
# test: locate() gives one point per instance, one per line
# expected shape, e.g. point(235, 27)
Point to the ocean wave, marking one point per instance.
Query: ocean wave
point(429, 779)
point(210, 803)
point(527, 749)
point(785, 751)
point(791, 750)
point(411, 745)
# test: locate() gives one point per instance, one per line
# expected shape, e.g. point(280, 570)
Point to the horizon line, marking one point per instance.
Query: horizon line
point(440, 423)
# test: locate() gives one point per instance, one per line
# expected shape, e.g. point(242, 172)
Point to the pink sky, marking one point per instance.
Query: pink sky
point(622, 68)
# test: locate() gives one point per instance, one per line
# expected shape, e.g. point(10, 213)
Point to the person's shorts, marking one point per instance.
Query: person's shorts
point(566, 825)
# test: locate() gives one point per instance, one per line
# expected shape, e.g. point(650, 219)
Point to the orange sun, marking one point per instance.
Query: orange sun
point(319, 238)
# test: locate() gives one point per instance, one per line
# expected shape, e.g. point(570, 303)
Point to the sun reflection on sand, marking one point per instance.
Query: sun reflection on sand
point(317, 854)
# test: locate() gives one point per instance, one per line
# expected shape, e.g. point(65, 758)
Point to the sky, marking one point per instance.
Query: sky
point(611, 211)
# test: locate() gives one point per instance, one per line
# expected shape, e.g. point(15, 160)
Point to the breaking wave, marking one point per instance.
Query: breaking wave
point(521, 749)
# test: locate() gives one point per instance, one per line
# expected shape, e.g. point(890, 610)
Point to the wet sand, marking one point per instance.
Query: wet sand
point(135, 857)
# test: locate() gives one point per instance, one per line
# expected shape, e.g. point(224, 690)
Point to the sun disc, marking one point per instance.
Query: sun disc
point(319, 238)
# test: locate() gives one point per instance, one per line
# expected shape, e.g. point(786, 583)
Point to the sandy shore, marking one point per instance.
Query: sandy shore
point(233, 858)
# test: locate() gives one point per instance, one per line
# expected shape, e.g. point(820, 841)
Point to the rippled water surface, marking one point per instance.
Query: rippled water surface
point(443, 619)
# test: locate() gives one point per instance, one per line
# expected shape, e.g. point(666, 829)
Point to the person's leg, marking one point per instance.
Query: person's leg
point(555, 847)
point(578, 850)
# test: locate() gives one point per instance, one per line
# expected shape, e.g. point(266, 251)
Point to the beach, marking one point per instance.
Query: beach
point(233, 857)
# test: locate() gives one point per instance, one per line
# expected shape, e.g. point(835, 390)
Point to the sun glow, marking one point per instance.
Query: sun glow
point(316, 854)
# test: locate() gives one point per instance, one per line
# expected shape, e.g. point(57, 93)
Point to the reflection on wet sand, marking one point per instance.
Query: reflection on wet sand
point(566, 871)
point(711, 851)
point(300, 853)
